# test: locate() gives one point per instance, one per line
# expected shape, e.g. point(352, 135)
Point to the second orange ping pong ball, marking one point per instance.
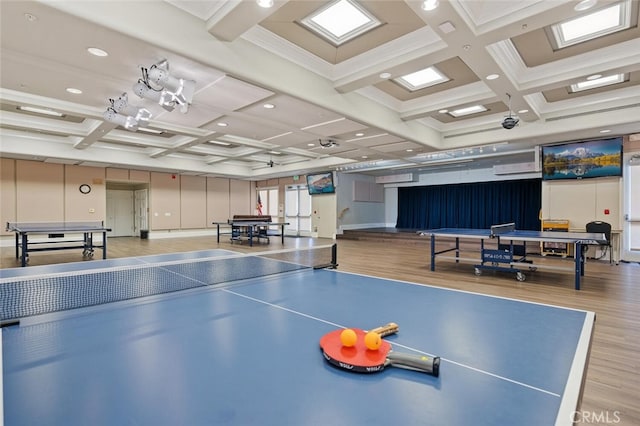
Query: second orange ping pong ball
point(372, 340)
point(348, 337)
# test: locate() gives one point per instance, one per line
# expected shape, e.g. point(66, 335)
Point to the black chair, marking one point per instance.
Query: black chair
point(600, 227)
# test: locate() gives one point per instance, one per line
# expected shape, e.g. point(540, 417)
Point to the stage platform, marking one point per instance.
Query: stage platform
point(406, 235)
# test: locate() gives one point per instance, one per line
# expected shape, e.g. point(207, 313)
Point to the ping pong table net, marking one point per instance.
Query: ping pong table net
point(496, 230)
point(22, 297)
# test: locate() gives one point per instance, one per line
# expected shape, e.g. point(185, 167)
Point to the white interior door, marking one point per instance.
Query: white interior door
point(120, 214)
point(141, 205)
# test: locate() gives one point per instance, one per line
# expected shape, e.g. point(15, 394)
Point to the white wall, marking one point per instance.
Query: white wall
point(468, 176)
point(583, 201)
point(391, 206)
point(352, 213)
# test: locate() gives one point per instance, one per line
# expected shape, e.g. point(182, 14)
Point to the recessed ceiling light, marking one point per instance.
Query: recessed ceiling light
point(40, 111)
point(359, 134)
point(429, 5)
point(74, 91)
point(269, 106)
point(605, 131)
point(385, 75)
point(265, 3)
point(311, 144)
point(522, 111)
point(493, 76)
point(30, 17)
point(584, 5)
point(95, 51)
point(222, 124)
point(443, 111)
point(364, 157)
point(409, 150)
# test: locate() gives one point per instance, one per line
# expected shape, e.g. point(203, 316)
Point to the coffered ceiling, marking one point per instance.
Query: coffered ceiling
point(346, 97)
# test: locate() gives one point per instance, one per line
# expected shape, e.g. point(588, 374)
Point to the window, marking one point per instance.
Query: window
point(267, 202)
point(605, 21)
point(597, 82)
point(421, 79)
point(341, 21)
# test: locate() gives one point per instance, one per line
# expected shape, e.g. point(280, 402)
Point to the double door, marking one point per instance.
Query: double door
point(297, 209)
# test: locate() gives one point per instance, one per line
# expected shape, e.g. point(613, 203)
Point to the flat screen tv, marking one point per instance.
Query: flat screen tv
point(582, 159)
point(321, 183)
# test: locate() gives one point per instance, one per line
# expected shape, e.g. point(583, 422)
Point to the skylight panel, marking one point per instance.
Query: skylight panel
point(43, 111)
point(341, 21)
point(423, 78)
point(597, 24)
point(468, 111)
point(598, 82)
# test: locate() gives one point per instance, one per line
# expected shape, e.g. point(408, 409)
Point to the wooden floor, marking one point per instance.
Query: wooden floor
point(612, 392)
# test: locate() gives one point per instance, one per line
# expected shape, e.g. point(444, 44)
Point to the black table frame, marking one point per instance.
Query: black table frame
point(24, 246)
point(250, 229)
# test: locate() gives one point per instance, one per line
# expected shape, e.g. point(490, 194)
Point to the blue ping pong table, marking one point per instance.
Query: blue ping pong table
point(504, 255)
point(58, 239)
point(247, 352)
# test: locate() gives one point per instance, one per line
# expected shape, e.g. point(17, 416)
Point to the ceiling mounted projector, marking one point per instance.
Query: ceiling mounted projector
point(510, 122)
point(328, 143)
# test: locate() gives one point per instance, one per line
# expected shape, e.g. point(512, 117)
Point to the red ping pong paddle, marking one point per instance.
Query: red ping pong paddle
point(359, 359)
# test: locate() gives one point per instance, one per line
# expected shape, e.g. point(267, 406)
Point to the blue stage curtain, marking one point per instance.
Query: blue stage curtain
point(471, 205)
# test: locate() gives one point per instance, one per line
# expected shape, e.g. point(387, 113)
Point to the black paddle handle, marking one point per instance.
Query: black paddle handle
point(424, 363)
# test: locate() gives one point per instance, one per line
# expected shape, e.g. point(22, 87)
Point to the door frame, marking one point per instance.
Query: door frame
point(141, 218)
point(631, 208)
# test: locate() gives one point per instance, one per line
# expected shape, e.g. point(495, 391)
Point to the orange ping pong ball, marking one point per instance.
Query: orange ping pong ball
point(372, 340)
point(348, 337)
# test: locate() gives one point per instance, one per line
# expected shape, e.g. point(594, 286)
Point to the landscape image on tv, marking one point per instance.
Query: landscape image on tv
point(585, 159)
point(321, 183)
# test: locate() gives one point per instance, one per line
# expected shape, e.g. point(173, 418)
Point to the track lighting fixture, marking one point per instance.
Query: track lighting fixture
point(125, 121)
point(158, 85)
point(121, 105)
point(125, 115)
